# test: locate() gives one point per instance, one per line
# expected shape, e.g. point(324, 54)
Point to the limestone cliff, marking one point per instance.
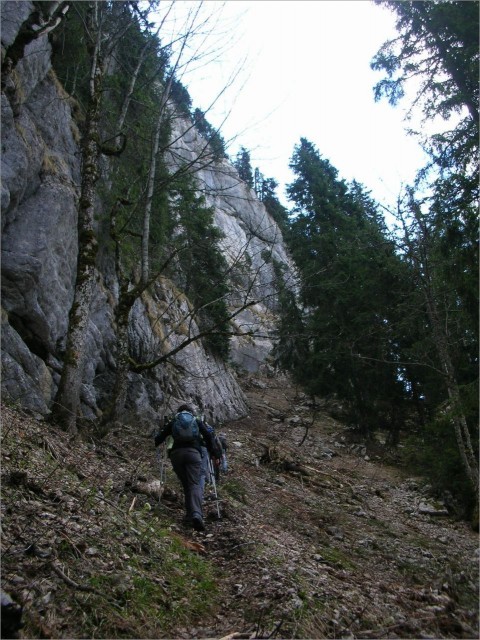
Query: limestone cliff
point(40, 190)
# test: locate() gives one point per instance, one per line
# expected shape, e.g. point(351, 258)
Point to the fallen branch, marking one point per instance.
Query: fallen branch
point(243, 544)
point(107, 501)
point(117, 452)
point(330, 476)
point(81, 587)
point(70, 582)
point(132, 505)
point(276, 630)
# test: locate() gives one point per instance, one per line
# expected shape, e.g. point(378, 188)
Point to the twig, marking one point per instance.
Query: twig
point(64, 535)
point(243, 544)
point(116, 451)
point(307, 427)
point(70, 582)
point(383, 631)
point(81, 587)
point(329, 476)
point(276, 630)
point(107, 501)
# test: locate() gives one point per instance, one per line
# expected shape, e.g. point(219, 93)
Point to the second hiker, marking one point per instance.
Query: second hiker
point(187, 432)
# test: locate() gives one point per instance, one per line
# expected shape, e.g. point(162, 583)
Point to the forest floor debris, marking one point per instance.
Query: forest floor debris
point(316, 539)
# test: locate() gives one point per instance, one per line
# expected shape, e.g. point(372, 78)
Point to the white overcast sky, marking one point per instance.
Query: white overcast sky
point(307, 74)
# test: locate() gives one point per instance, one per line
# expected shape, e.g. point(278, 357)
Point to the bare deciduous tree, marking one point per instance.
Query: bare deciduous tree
point(162, 58)
point(417, 241)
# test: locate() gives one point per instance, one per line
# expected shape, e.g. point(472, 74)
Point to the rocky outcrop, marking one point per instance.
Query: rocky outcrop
point(252, 242)
point(40, 174)
point(40, 189)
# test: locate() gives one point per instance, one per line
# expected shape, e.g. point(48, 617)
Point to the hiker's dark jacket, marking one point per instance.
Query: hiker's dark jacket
point(205, 439)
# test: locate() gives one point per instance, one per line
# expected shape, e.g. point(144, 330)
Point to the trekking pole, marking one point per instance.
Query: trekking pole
point(161, 460)
point(214, 484)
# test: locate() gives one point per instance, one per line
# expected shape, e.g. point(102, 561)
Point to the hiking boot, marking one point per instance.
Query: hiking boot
point(197, 523)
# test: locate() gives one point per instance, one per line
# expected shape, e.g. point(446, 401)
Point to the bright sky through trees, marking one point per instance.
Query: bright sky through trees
point(307, 74)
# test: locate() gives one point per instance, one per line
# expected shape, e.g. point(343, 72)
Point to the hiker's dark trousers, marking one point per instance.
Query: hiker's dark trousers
point(187, 464)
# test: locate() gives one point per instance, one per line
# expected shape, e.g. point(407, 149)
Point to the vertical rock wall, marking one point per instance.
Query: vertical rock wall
point(40, 189)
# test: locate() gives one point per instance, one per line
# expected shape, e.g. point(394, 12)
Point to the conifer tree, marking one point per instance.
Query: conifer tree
point(272, 204)
point(243, 165)
point(350, 278)
point(202, 266)
point(212, 135)
point(437, 43)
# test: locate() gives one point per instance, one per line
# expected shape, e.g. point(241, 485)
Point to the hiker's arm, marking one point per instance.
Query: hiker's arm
point(207, 438)
point(163, 434)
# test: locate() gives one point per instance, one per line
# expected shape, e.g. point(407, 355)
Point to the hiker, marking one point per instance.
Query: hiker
point(211, 461)
point(205, 473)
point(220, 461)
point(185, 455)
point(222, 437)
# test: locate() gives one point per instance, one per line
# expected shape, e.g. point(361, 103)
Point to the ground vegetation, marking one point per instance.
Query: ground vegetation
point(321, 535)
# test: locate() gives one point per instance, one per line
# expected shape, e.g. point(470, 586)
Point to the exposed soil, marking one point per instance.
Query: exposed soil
point(317, 538)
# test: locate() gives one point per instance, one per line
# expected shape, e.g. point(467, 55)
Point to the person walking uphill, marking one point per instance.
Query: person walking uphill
point(187, 432)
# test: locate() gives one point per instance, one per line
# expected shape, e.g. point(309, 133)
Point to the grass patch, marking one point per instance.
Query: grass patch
point(384, 528)
point(284, 513)
point(411, 571)
point(235, 489)
point(310, 620)
point(148, 597)
point(336, 558)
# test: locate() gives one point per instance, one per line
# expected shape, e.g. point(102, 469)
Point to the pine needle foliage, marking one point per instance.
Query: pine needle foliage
point(350, 277)
point(202, 267)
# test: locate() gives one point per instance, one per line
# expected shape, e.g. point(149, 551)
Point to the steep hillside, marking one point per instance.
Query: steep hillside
point(314, 541)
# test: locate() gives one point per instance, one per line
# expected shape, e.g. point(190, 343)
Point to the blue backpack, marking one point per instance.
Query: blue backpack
point(185, 428)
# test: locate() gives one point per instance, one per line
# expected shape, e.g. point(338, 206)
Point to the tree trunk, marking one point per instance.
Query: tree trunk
point(67, 400)
point(145, 263)
point(419, 254)
point(459, 421)
point(122, 361)
point(127, 297)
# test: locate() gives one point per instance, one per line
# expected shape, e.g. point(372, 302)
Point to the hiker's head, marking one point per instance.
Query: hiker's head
point(184, 407)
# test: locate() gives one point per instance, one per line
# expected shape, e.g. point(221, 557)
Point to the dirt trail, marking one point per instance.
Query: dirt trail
point(315, 541)
point(324, 543)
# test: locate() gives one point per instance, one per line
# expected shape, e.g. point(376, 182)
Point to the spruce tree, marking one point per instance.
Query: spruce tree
point(243, 165)
point(437, 43)
point(350, 277)
point(202, 273)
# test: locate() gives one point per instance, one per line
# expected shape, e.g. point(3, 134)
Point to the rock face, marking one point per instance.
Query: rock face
point(40, 190)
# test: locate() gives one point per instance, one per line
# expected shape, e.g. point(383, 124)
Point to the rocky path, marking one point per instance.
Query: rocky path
point(328, 544)
point(314, 541)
